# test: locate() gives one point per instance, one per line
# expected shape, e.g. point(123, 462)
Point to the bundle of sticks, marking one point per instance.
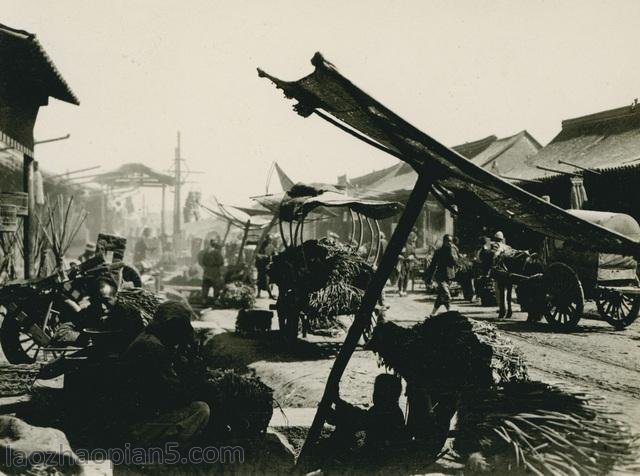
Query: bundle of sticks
point(60, 222)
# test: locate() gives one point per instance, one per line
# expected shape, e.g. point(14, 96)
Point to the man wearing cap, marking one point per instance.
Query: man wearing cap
point(89, 252)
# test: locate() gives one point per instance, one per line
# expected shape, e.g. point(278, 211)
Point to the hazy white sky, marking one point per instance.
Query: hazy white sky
point(460, 70)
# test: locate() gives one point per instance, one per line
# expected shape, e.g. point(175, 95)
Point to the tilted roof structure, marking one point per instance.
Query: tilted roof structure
point(331, 96)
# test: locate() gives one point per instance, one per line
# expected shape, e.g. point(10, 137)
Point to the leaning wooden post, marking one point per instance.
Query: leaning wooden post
point(373, 292)
point(240, 258)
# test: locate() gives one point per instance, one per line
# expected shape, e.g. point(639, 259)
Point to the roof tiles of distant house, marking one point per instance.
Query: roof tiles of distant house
point(605, 140)
point(468, 150)
point(21, 51)
point(472, 149)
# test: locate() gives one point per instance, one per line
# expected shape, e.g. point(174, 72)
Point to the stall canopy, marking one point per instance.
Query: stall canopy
point(328, 94)
point(134, 175)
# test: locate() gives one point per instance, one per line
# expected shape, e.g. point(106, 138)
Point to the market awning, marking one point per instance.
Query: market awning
point(294, 208)
point(333, 97)
point(134, 175)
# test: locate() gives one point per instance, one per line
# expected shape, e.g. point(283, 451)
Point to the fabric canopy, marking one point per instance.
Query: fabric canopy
point(295, 208)
point(332, 96)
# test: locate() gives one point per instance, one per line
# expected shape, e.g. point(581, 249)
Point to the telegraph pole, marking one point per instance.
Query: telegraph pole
point(177, 208)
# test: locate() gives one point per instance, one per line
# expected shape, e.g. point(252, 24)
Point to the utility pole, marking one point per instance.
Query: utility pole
point(177, 208)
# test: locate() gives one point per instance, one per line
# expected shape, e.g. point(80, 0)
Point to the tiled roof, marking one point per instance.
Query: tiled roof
point(604, 140)
point(21, 50)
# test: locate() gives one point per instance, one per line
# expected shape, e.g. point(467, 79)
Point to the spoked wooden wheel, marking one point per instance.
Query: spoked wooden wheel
point(620, 310)
point(19, 346)
point(564, 297)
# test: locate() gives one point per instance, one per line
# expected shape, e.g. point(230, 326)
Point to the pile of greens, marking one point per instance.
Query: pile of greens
point(236, 295)
point(326, 279)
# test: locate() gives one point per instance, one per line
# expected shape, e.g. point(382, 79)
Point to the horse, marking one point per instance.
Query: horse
point(511, 267)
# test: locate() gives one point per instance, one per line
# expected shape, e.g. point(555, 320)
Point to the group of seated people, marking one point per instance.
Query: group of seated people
point(156, 407)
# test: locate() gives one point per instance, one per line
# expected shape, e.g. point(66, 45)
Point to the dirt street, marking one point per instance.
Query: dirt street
point(595, 357)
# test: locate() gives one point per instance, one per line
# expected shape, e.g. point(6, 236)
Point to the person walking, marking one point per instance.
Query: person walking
point(263, 258)
point(442, 269)
point(502, 288)
point(212, 261)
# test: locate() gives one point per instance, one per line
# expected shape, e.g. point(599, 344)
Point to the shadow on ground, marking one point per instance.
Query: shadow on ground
point(230, 350)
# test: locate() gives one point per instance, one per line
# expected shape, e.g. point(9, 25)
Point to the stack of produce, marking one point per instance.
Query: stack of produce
point(448, 352)
point(328, 279)
point(536, 428)
point(236, 295)
point(515, 423)
point(146, 302)
point(241, 407)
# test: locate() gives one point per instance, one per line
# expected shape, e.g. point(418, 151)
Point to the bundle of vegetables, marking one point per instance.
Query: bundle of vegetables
point(146, 302)
point(328, 278)
point(236, 295)
point(542, 429)
point(240, 406)
point(17, 379)
point(448, 352)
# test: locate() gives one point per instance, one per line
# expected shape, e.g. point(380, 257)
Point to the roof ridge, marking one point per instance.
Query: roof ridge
point(608, 114)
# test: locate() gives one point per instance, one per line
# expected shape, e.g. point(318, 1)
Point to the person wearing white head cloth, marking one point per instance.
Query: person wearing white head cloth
point(498, 247)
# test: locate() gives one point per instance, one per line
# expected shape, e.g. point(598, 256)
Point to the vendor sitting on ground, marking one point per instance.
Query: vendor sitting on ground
point(98, 310)
point(383, 423)
point(157, 406)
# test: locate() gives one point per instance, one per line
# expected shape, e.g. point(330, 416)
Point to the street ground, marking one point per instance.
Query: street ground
point(594, 357)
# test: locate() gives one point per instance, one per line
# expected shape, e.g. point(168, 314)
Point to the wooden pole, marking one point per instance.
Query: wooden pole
point(163, 208)
point(244, 241)
point(373, 292)
point(27, 222)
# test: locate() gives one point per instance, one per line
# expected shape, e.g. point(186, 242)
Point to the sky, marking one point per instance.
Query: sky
point(459, 70)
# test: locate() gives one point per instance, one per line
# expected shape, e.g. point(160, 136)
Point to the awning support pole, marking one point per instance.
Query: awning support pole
point(362, 319)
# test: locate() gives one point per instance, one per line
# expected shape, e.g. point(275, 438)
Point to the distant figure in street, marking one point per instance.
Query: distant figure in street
point(212, 261)
point(263, 258)
point(88, 253)
point(140, 250)
point(502, 289)
point(406, 264)
point(442, 269)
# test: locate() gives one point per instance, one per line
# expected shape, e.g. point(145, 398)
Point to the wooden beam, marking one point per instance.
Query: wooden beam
point(28, 221)
point(362, 319)
point(556, 171)
point(579, 167)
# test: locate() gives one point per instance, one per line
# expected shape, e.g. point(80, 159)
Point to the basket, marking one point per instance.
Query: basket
point(19, 199)
point(8, 218)
point(253, 321)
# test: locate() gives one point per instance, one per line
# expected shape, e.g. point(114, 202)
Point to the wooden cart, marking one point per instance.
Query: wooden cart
point(611, 280)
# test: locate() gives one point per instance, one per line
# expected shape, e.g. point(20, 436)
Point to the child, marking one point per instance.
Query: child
point(383, 423)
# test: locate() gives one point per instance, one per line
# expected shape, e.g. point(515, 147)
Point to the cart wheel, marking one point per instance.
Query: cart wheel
point(563, 296)
point(18, 346)
point(620, 310)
